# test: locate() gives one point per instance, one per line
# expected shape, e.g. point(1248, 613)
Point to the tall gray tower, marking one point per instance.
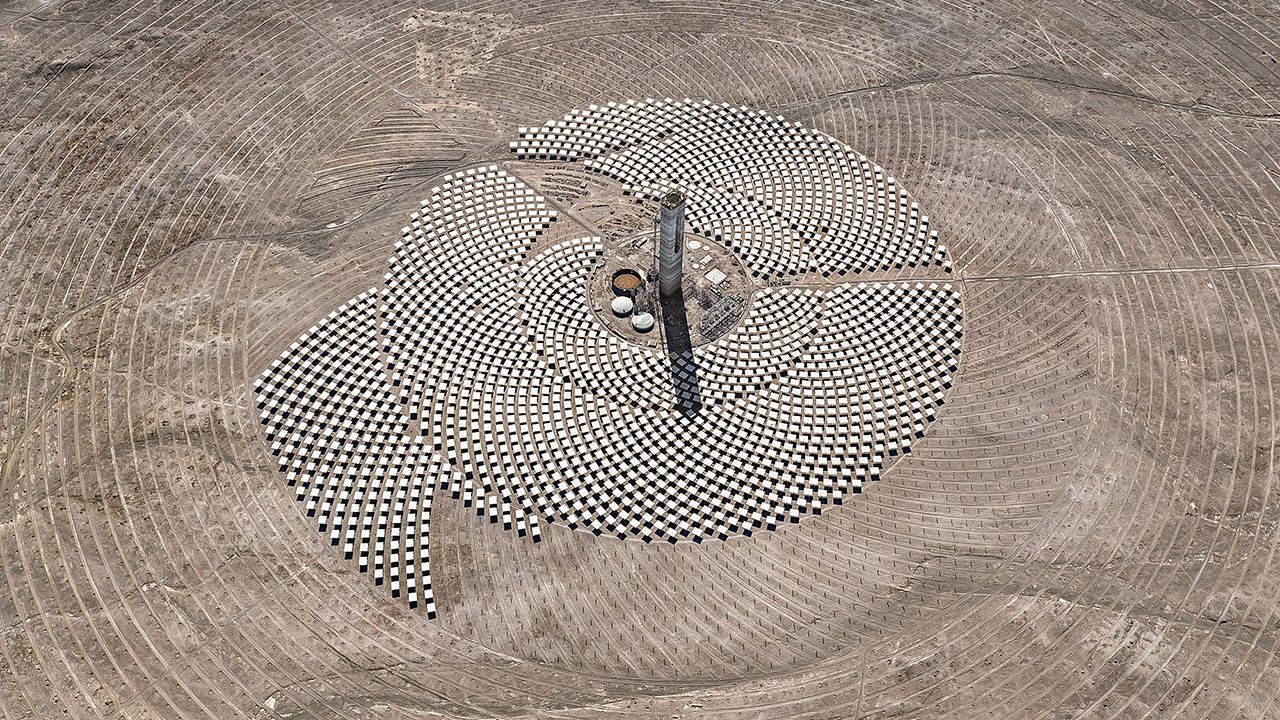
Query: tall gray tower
point(670, 243)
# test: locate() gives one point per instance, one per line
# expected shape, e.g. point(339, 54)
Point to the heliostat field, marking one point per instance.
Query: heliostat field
point(639, 359)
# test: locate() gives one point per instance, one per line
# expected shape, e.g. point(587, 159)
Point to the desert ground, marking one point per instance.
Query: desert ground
point(1089, 529)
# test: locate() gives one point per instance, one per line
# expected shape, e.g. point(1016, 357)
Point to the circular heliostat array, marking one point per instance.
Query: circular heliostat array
point(1016, 264)
point(531, 410)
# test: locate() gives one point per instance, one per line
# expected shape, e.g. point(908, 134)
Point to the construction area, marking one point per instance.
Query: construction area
point(640, 359)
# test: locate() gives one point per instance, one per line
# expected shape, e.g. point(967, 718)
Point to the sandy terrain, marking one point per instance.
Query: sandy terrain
point(1088, 530)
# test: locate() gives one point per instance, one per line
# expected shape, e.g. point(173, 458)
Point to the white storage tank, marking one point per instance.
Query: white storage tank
point(642, 322)
point(622, 306)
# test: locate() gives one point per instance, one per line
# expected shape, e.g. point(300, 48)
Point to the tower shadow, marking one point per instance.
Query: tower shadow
point(684, 366)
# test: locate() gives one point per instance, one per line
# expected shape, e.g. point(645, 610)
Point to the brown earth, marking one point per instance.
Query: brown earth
point(1089, 530)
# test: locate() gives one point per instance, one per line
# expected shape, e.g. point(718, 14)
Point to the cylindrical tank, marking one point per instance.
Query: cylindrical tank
point(642, 322)
point(670, 243)
point(626, 282)
point(622, 306)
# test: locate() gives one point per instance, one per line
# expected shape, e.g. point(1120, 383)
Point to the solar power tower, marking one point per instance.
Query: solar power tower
point(671, 243)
